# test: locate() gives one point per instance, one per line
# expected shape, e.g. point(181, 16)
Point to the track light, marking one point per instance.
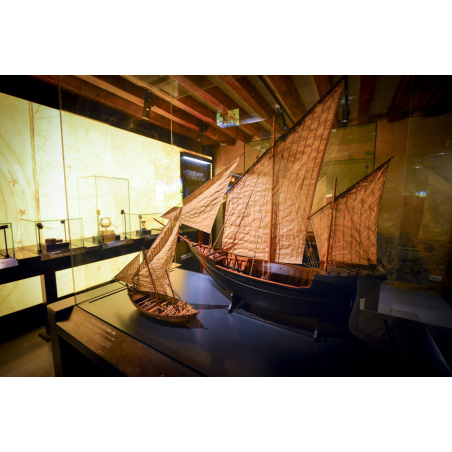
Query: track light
point(148, 104)
point(202, 130)
point(281, 119)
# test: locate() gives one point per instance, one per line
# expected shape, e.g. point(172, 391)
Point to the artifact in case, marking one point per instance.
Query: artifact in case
point(53, 235)
point(104, 205)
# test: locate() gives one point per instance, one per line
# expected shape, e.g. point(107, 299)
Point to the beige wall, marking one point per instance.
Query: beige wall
point(32, 180)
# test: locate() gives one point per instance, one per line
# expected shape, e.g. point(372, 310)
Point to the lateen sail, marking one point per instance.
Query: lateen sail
point(354, 229)
point(201, 207)
point(295, 168)
point(128, 272)
point(158, 259)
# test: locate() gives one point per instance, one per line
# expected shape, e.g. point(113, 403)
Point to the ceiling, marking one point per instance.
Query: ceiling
point(186, 104)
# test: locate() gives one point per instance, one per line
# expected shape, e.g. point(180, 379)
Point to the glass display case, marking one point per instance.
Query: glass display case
point(6, 241)
point(146, 224)
point(53, 235)
point(104, 206)
point(126, 158)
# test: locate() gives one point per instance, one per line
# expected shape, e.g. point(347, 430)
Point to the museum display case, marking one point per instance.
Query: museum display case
point(120, 159)
point(53, 235)
point(6, 240)
point(146, 224)
point(104, 205)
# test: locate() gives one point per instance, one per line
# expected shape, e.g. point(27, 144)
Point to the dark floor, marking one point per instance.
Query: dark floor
point(26, 356)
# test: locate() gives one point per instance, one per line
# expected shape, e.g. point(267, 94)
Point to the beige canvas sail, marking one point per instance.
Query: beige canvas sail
point(288, 180)
point(296, 172)
point(128, 272)
point(246, 227)
point(201, 207)
point(355, 220)
point(158, 259)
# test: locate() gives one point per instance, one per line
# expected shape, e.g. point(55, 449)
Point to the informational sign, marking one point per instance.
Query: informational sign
point(195, 173)
point(10, 262)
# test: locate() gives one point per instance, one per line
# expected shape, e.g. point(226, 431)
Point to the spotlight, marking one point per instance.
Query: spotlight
point(148, 104)
point(281, 119)
point(202, 130)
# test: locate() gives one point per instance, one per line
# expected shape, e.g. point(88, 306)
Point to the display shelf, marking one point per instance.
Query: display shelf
point(53, 235)
point(222, 344)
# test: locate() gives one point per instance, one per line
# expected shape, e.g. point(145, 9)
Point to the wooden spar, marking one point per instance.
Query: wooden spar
point(331, 224)
point(152, 281)
point(171, 287)
point(271, 196)
point(155, 219)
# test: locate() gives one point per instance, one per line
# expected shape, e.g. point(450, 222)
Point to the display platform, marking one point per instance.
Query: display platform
point(222, 344)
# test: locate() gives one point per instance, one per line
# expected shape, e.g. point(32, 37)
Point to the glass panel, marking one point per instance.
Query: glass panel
point(31, 186)
point(146, 224)
point(120, 165)
point(350, 156)
point(52, 236)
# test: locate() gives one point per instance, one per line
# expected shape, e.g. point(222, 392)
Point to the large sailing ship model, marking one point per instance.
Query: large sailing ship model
point(268, 213)
point(147, 277)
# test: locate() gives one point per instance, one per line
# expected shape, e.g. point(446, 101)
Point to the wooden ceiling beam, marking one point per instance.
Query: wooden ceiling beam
point(87, 90)
point(201, 111)
point(250, 95)
point(366, 92)
point(128, 90)
point(216, 98)
point(401, 99)
point(323, 83)
point(285, 89)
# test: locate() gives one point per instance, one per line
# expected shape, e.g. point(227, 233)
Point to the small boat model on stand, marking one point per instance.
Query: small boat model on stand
point(266, 222)
point(147, 278)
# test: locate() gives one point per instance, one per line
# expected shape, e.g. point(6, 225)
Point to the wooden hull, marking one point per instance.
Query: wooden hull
point(328, 298)
point(149, 307)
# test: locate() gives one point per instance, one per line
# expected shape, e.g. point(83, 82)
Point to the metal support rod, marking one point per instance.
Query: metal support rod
point(331, 224)
point(6, 245)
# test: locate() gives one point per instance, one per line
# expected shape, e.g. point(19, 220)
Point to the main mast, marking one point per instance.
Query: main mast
point(331, 224)
point(272, 158)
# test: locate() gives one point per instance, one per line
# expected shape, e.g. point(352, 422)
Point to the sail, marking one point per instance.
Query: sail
point(355, 220)
point(201, 207)
point(286, 180)
point(319, 198)
point(128, 272)
point(246, 226)
point(158, 259)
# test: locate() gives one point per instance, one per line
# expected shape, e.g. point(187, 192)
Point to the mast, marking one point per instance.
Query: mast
point(271, 189)
point(331, 224)
point(171, 287)
point(153, 284)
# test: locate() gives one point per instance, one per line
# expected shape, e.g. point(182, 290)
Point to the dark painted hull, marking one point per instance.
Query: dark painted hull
point(329, 298)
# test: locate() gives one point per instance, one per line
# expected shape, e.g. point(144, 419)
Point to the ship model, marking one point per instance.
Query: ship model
point(268, 213)
point(147, 278)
